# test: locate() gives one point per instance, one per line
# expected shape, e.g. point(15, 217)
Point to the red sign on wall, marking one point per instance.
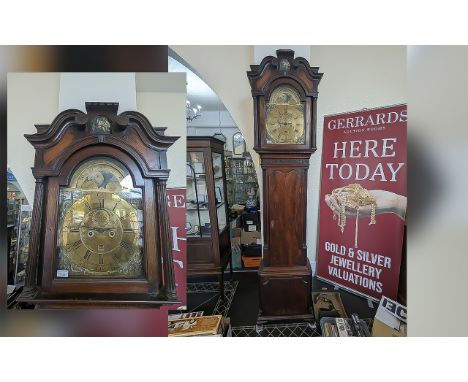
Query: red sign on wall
point(363, 200)
point(176, 210)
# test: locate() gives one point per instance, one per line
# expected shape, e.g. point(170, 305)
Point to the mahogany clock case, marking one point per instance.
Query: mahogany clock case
point(285, 272)
point(117, 252)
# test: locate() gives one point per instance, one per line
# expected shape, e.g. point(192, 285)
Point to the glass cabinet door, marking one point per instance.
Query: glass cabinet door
point(244, 178)
point(198, 214)
point(22, 248)
point(220, 197)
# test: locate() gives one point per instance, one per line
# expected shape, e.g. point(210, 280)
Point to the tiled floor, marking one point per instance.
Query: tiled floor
point(241, 305)
point(211, 292)
point(277, 330)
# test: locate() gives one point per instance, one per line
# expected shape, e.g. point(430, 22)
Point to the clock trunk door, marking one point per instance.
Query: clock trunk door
point(285, 191)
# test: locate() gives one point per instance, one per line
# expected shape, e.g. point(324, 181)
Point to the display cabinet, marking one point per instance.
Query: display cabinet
point(209, 248)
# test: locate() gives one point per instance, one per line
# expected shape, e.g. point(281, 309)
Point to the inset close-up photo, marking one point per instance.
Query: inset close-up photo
point(96, 182)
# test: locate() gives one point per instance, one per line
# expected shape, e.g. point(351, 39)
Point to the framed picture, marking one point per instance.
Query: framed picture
point(238, 144)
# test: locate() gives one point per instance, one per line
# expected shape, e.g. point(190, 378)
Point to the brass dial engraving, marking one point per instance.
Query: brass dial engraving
point(101, 226)
point(285, 117)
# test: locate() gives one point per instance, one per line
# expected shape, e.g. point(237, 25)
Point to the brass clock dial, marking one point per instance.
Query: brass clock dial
point(101, 223)
point(285, 117)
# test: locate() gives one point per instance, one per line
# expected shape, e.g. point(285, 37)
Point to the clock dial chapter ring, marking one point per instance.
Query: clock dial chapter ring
point(106, 238)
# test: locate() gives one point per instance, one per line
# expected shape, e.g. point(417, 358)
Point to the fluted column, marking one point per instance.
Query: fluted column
point(35, 233)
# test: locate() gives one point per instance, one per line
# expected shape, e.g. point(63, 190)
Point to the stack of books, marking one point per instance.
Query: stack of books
point(199, 325)
point(344, 327)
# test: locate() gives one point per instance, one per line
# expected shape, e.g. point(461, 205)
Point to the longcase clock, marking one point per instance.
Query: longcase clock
point(284, 91)
point(100, 232)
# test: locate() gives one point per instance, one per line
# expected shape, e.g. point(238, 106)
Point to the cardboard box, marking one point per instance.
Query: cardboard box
point(235, 232)
point(236, 236)
point(235, 241)
point(252, 250)
point(195, 326)
point(251, 262)
point(250, 237)
point(250, 218)
point(236, 257)
point(328, 300)
point(251, 227)
point(236, 248)
point(390, 319)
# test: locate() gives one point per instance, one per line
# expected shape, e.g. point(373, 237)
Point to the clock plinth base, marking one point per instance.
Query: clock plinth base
point(285, 293)
point(42, 300)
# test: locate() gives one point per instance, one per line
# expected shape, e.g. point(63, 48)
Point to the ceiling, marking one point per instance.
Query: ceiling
point(198, 92)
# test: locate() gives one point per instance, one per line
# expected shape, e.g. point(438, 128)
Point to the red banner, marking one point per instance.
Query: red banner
point(176, 209)
point(363, 200)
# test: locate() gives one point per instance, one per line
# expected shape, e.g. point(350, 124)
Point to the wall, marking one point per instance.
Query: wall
point(210, 131)
point(224, 69)
point(354, 77)
point(34, 98)
point(437, 258)
point(262, 51)
point(78, 88)
point(164, 106)
point(212, 122)
point(212, 119)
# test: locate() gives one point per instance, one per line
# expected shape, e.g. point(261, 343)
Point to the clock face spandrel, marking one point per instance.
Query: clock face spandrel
point(100, 231)
point(285, 117)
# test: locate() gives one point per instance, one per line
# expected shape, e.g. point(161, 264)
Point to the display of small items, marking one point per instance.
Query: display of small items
point(18, 224)
point(246, 241)
point(241, 180)
point(251, 202)
point(251, 242)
